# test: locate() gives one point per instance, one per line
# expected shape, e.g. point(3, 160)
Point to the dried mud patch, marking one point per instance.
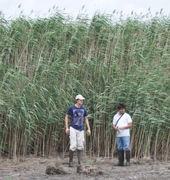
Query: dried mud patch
point(32, 168)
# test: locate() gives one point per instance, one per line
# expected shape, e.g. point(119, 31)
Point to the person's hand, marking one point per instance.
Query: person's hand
point(116, 129)
point(67, 131)
point(88, 132)
point(121, 128)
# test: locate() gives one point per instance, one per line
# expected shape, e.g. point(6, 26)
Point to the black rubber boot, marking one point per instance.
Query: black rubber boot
point(79, 154)
point(121, 159)
point(71, 158)
point(127, 158)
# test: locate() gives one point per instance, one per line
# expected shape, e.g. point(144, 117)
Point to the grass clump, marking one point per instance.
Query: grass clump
point(89, 163)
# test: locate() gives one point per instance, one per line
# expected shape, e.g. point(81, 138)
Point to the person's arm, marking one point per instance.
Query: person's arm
point(114, 126)
point(88, 126)
point(66, 122)
point(126, 127)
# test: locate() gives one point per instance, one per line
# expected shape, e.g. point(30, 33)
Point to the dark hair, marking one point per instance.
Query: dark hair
point(121, 105)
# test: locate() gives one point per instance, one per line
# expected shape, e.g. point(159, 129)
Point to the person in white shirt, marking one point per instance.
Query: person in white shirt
point(122, 123)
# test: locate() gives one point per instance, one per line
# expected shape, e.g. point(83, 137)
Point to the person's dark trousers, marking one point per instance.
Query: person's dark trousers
point(71, 158)
point(121, 158)
point(127, 158)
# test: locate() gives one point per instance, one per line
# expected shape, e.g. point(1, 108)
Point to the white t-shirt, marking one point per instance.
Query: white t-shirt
point(124, 121)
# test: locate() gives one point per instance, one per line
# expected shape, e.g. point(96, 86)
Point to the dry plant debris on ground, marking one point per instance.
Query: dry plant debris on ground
point(32, 168)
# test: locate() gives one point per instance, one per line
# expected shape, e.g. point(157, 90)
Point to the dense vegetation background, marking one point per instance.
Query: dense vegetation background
point(46, 62)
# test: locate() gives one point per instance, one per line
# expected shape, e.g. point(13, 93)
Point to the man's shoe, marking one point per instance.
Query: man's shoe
point(127, 158)
point(79, 154)
point(71, 158)
point(121, 158)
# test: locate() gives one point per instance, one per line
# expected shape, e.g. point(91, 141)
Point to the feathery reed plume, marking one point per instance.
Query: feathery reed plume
point(161, 10)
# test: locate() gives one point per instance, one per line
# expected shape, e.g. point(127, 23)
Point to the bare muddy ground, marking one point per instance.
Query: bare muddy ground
point(31, 168)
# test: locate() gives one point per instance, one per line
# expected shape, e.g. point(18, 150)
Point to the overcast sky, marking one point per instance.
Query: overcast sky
point(10, 7)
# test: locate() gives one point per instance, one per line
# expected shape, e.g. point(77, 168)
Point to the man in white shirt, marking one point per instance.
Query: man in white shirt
point(122, 123)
